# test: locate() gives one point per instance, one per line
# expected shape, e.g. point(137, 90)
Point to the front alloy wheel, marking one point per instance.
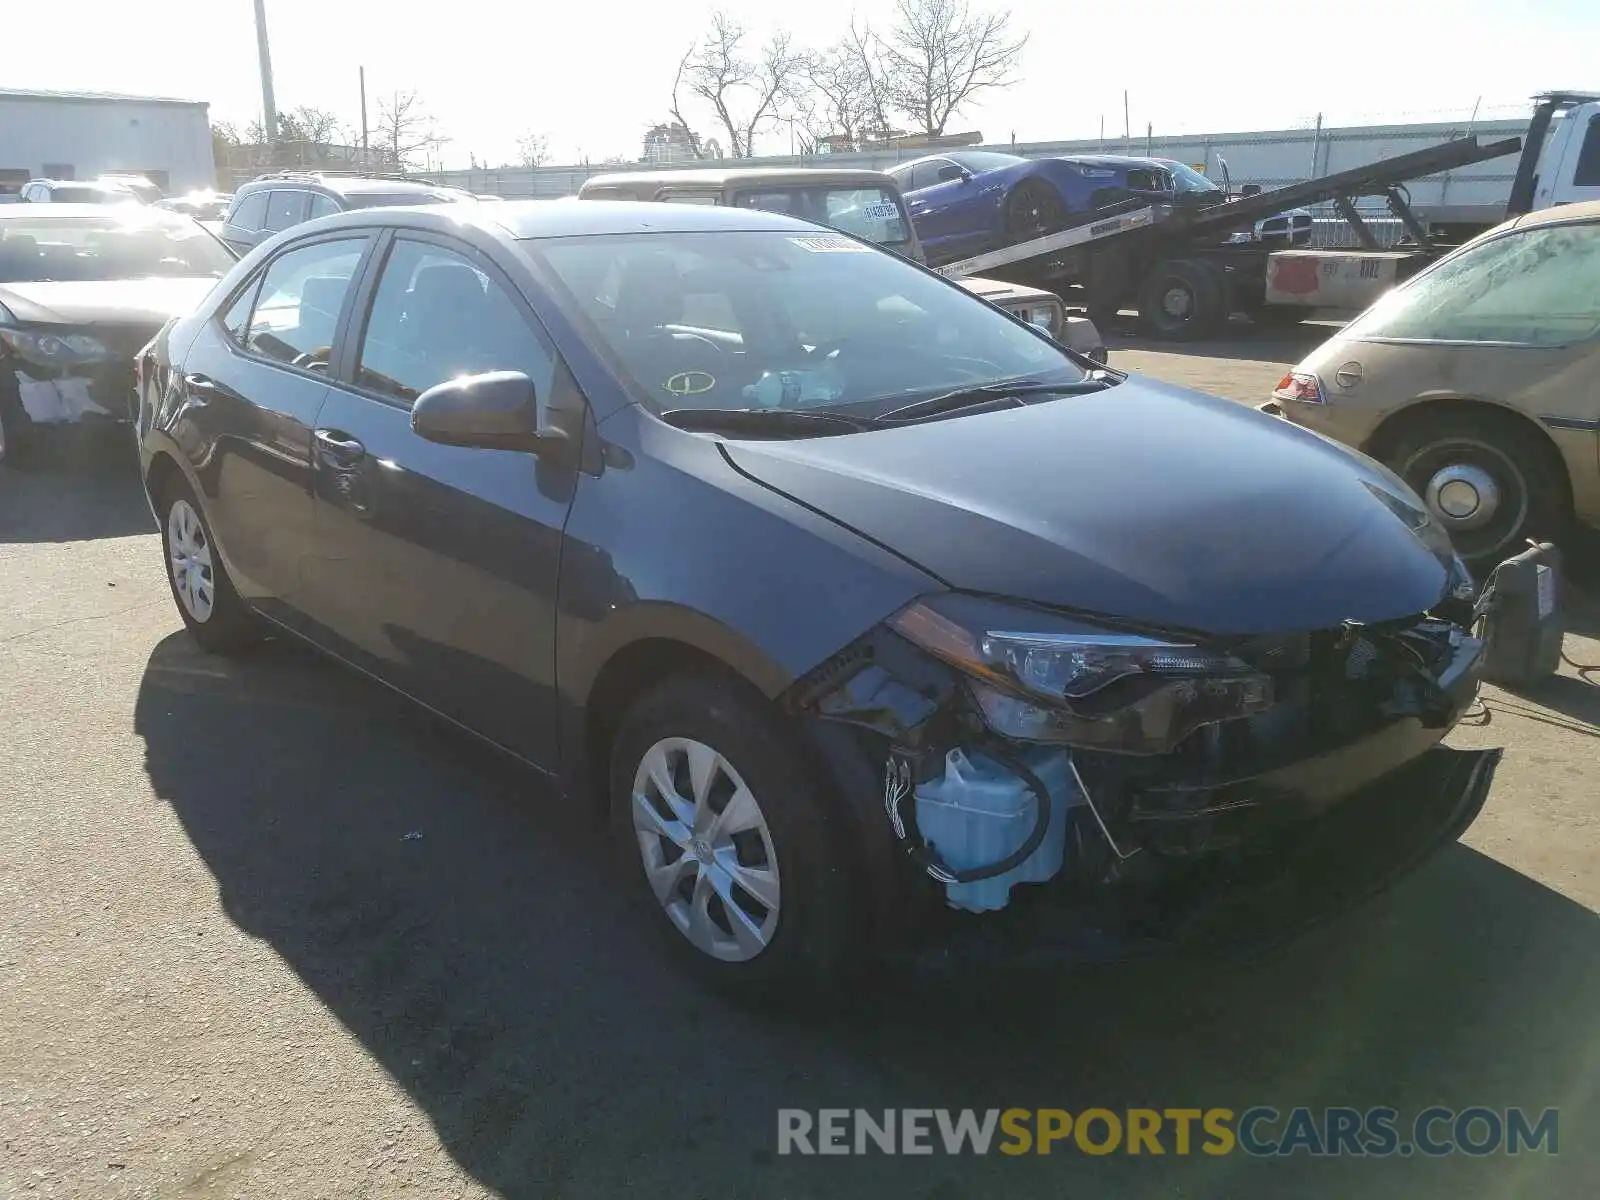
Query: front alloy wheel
point(707, 849)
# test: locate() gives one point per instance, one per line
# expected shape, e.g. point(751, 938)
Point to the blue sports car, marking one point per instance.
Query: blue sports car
point(969, 201)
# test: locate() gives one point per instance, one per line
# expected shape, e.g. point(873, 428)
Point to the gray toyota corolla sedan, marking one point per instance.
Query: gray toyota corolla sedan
point(874, 619)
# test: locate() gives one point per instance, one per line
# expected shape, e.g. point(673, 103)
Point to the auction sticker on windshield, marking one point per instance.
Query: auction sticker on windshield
point(830, 243)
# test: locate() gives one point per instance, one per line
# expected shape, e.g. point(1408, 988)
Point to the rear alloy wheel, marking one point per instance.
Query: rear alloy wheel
point(1183, 299)
point(1489, 482)
point(207, 602)
point(1034, 209)
point(718, 822)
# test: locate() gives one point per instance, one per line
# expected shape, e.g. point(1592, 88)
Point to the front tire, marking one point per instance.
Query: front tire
point(731, 854)
point(210, 607)
point(1033, 209)
point(1489, 480)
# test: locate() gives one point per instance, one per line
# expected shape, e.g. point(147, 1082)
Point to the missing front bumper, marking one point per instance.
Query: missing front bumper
point(1270, 891)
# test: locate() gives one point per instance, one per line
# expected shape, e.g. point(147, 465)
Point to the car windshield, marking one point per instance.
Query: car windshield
point(110, 246)
point(872, 213)
point(1532, 287)
point(1187, 181)
point(984, 160)
point(794, 320)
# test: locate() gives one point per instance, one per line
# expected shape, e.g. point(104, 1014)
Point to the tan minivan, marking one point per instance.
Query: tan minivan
point(1478, 381)
point(867, 204)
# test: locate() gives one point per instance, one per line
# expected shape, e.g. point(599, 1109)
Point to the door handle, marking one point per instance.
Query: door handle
point(342, 449)
point(200, 388)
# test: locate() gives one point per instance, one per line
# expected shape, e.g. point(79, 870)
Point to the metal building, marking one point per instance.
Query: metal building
point(78, 135)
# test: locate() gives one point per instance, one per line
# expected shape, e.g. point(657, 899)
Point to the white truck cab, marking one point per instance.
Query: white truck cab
point(1565, 154)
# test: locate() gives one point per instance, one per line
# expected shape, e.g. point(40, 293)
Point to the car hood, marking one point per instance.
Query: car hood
point(1145, 501)
point(141, 302)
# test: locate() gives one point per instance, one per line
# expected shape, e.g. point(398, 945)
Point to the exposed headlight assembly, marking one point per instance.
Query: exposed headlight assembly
point(43, 348)
point(1038, 677)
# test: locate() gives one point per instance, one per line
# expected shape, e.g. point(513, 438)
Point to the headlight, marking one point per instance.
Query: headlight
point(1038, 677)
point(54, 350)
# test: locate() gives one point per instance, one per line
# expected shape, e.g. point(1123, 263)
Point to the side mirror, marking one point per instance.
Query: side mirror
point(498, 410)
point(951, 174)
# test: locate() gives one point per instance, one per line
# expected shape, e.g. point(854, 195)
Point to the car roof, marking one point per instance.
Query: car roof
point(1587, 210)
point(721, 177)
point(345, 184)
point(546, 218)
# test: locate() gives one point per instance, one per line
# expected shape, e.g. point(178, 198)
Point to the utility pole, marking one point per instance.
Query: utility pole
point(366, 160)
point(269, 107)
point(1127, 132)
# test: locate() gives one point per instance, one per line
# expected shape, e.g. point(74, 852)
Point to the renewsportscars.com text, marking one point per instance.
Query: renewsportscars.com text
point(1259, 1131)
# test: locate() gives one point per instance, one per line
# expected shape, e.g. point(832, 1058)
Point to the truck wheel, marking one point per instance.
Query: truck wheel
point(1488, 479)
point(1183, 299)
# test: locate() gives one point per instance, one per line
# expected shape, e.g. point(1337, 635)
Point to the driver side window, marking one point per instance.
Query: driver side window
point(298, 305)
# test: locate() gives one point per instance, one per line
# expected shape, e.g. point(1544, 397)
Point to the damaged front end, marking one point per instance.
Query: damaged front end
point(60, 377)
point(1139, 772)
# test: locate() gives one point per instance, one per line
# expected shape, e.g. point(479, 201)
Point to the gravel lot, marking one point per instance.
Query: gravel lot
point(227, 970)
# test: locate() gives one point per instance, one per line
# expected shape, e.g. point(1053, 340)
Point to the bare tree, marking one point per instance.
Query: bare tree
point(403, 129)
point(939, 54)
point(533, 149)
point(748, 95)
point(690, 135)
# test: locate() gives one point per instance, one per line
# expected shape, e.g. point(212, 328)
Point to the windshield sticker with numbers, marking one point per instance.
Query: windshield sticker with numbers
point(830, 243)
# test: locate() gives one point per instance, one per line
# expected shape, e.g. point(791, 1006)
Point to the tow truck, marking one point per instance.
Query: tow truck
point(1186, 276)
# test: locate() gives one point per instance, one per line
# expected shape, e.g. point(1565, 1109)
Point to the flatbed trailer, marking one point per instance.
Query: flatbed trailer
point(1179, 266)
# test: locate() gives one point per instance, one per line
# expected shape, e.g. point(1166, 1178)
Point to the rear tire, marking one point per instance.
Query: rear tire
point(732, 856)
point(1183, 299)
point(210, 607)
point(1457, 459)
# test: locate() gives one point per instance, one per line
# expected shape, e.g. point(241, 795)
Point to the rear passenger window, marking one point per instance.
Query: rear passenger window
point(1587, 171)
point(436, 316)
point(249, 212)
point(301, 294)
point(286, 208)
point(321, 206)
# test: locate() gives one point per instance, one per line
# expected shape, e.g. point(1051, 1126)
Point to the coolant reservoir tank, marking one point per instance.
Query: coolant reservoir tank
point(980, 811)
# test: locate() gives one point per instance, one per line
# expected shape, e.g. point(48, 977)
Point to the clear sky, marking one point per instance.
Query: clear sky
point(593, 76)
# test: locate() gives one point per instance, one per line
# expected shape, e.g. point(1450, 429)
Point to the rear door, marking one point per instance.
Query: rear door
point(255, 378)
point(436, 566)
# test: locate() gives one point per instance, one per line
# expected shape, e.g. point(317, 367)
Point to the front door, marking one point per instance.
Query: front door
point(437, 565)
point(255, 379)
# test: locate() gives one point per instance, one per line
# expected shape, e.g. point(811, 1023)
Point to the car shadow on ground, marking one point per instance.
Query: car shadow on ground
point(470, 931)
point(75, 494)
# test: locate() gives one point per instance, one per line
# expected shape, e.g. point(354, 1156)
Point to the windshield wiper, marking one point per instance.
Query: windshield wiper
point(768, 422)
point(994, 393)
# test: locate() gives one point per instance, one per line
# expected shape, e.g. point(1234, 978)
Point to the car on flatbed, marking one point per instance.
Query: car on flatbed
point(867, 204)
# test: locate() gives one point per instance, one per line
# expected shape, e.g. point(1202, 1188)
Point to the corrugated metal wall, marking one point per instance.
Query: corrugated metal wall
point(93, 136)
point(1271, 159)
